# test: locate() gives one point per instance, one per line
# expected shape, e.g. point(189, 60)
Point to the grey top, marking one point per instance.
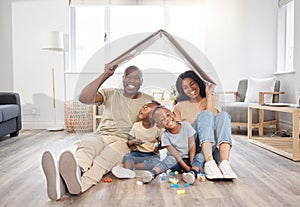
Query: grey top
point(179, 141)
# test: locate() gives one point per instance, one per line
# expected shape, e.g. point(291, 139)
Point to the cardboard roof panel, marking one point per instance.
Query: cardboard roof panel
point(149, 41)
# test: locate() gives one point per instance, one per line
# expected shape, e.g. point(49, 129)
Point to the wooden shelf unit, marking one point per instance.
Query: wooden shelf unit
point(287, 147)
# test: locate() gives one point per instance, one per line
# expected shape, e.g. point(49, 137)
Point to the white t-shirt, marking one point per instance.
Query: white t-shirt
point(148, 135)
point(179, 141)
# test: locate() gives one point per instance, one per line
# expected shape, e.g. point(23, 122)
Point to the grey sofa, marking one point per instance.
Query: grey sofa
point(10, 114)
point(238, 109)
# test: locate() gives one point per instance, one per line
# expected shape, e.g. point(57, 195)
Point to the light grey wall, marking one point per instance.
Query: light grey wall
point(32, 66)
point(290, 83)
point(296, 81)
point(6, 68)
point(240, 41)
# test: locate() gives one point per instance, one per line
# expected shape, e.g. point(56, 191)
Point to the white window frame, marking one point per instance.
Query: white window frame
point(73, 54)
point(285, 39)
point(107, 33)
point(107, 30)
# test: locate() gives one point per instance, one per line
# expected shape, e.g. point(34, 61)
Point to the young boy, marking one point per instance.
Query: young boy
point(179, 140)
point(143, 139)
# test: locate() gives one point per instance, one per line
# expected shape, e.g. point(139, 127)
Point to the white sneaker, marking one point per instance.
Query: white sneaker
point(70, 172)
point(188, 177)
point(212, 171)
point(121, 172)
point(147, 177)
point(227, 171)
point(55, 185)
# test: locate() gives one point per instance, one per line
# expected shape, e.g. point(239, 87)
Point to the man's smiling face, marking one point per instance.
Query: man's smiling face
point(132, 81)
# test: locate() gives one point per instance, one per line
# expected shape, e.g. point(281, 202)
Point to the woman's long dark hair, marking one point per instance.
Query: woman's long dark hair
point(188, 74)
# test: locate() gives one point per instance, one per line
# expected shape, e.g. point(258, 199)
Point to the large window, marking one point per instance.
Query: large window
point(126, 20)
point(94, 26)
point(285, 46)
point(87, 34)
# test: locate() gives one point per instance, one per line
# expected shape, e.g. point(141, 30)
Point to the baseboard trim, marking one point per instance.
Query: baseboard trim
point(40, 124)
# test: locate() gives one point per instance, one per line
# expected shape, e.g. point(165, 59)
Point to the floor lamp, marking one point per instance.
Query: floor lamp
point(53, 41)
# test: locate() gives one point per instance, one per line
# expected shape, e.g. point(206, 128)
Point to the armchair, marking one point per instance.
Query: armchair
point(238, 109)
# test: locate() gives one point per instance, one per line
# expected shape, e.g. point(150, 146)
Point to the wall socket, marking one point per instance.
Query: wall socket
point(35, 111)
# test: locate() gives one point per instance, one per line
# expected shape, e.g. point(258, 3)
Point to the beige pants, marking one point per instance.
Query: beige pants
point(97, 155)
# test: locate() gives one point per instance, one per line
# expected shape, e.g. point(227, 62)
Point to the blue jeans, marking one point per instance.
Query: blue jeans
point(214, 129)
point(170, 162)
point(150, 159)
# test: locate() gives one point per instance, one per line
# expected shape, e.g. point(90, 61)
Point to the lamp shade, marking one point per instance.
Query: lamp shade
point(53, 41)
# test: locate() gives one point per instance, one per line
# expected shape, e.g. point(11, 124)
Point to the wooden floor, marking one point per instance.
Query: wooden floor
point(264, 178)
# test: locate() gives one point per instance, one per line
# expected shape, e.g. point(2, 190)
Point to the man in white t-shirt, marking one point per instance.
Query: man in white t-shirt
point(97, 154)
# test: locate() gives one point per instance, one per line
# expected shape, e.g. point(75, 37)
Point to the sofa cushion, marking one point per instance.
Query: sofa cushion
point(9, 111)
point(239, 112)
point(256, 85)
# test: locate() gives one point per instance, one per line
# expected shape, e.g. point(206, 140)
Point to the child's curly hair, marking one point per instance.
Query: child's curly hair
point(154, 110)
point(156, 104)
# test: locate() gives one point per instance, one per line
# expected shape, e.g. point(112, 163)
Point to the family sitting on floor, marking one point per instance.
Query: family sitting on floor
point(196, 134)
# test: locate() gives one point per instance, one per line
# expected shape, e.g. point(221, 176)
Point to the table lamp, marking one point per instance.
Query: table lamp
point(53, 41)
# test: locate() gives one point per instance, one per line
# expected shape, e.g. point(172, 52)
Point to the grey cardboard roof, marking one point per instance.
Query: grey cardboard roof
point(151, 39)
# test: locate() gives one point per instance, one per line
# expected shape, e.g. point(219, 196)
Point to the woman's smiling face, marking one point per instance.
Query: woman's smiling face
point(190, 88)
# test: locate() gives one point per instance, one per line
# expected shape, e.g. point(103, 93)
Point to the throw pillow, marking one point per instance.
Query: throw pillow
point(256, 85)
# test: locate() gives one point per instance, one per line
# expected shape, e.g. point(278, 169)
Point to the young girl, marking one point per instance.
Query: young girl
point(179, 140)
point(143, 139)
